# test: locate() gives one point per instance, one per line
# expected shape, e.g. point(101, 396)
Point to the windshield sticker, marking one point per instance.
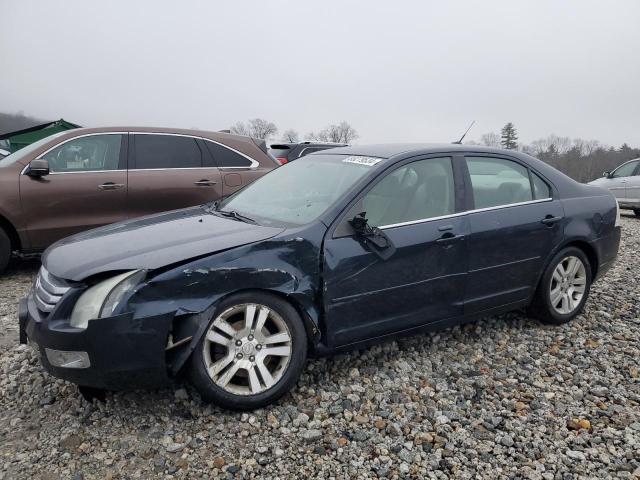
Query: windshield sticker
point(368, 161)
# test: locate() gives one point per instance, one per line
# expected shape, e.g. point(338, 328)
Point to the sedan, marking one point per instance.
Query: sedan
point(333, 251)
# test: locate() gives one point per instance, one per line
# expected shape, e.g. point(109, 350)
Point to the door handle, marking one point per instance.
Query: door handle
point(111, 186)
point(204, 183)
point(549, 220)
point(448, 238)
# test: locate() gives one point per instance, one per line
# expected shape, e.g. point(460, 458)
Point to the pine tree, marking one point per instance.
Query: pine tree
point(509, 136)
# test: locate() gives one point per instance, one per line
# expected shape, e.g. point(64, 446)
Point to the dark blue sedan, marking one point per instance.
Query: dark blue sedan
point(329, 252)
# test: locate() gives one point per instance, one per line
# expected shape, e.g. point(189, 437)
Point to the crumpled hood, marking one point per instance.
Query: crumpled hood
point(149, 243)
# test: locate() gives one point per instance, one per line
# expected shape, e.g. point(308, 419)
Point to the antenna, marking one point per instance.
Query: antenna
point(459, 142)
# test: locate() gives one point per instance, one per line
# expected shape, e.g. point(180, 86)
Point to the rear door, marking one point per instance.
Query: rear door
point(515, 222)
point(86, 188)
point(169, 171)
point(236, 168)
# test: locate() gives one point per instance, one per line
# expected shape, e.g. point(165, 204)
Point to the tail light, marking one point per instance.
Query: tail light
point(282, 160)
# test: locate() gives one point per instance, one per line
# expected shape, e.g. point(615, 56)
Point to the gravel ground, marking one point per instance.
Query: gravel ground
point(503, 398)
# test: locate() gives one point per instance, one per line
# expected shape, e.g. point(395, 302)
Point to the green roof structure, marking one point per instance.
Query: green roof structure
point(22, 138)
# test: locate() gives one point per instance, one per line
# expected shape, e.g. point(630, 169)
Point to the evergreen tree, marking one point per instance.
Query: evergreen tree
point(509, 136)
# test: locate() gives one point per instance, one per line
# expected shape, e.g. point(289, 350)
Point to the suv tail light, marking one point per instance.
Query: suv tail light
point(282, 160)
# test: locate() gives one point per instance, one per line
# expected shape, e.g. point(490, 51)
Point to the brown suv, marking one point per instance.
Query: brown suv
point(85, 178)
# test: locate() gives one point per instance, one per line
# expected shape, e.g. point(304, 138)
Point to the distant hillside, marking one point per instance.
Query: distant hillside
point(10, 122)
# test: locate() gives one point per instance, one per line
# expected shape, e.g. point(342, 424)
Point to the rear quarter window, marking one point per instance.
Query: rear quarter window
point(225, 157)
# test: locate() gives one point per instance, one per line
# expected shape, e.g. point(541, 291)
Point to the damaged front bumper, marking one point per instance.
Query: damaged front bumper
point(115, 353)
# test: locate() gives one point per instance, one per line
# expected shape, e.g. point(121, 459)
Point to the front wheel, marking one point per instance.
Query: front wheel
point(564, 287)
point(251, 354)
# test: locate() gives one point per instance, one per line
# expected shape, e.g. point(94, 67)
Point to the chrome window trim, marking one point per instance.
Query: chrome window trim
point(254, 164)
point(460, 214)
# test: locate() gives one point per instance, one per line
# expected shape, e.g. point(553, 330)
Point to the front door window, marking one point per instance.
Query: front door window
point(93, 153)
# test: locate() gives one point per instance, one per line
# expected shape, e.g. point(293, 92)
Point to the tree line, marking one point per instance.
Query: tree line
point(341, 132)
point(583, 160)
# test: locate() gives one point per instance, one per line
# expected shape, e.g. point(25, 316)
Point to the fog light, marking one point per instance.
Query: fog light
point(60, 358)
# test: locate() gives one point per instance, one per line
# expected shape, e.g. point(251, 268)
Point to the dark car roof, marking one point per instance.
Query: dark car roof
point(388, 150)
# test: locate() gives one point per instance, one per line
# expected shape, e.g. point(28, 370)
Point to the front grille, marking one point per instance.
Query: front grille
point(48, 291)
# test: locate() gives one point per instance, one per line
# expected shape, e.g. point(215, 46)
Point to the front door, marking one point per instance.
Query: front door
point(633, 189)
point(619, 181)
point(168, 172)
point(421, 279)
point(86, 188)
point(515, 224)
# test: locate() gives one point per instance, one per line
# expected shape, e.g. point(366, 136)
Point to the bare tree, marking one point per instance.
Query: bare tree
point(290, 136)
point(490, 139)
point(342, 132)
point(256, 128)
point(240, 128)
point(262, 128)
point(312, 137)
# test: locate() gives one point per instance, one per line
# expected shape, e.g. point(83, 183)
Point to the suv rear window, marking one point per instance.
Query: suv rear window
point(166, 151)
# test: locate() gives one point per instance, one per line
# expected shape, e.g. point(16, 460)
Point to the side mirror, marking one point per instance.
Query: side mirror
point(38, 168)
point(372, 234)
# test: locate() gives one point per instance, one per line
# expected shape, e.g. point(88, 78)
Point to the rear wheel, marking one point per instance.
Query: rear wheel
point(564, 287)
point(5, 250)
point(251, 354)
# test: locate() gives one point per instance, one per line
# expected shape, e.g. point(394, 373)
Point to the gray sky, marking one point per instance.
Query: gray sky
point(398, 71)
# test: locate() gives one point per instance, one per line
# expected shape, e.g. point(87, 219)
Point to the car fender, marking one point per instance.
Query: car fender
point(287, 266)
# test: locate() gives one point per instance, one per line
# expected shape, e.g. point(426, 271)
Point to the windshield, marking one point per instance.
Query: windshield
point(25, 151)
point(299, 192)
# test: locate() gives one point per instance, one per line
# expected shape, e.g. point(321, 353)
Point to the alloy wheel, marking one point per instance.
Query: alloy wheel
point(568, 284)
point(247, 349)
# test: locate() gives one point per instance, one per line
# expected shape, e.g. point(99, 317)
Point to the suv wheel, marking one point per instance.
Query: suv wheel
point(251, 354)
point(5, 250)
point(564, 287)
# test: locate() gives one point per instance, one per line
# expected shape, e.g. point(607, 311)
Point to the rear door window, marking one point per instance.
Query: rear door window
point(497, 181)
point(227, 158)
point(166, 152)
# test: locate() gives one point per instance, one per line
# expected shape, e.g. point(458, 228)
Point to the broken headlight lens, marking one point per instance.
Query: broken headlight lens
point(102, 299)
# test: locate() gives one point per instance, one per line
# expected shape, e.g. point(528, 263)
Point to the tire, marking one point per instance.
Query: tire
point(542, 306)
point(236, 352)
point(5, 250)
point(554, 309)
point(637, 212)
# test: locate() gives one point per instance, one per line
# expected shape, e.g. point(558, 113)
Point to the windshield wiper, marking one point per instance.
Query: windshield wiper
point(236, 216)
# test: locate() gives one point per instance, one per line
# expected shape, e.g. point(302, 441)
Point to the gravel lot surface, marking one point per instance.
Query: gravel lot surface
point(503, 398)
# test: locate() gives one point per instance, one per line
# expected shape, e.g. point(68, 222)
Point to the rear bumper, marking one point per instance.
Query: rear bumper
point(608, 251)
point(124, 353)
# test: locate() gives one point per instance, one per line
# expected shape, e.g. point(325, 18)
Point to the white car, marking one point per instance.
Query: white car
point(624, 183)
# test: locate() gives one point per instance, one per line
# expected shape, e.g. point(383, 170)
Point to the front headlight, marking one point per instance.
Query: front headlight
point(102, 299)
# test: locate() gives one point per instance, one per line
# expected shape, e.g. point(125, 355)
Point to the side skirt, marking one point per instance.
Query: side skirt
point(322, 350)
